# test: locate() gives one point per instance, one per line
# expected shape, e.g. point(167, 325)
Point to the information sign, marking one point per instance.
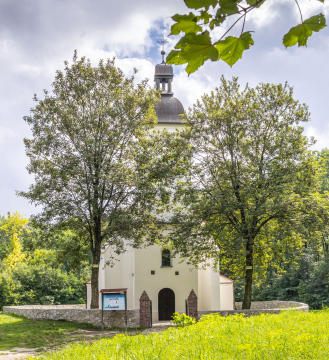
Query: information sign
point(114, 301)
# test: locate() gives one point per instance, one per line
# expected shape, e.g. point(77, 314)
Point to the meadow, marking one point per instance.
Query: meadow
point(290, 335)
point(17, 331)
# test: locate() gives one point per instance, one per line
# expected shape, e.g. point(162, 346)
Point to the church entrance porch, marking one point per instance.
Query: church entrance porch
point(166, 304)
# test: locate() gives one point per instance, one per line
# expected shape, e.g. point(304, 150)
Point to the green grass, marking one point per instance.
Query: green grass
point(17, 331)
point(290, 335)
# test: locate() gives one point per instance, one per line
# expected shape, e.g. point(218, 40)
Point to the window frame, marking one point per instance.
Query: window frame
point(164, 258)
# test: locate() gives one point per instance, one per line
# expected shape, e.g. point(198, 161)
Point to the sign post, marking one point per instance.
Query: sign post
point(114, 299)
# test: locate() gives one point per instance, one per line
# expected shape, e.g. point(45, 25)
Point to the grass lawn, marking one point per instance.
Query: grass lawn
point(290, 335)
point(16, 331)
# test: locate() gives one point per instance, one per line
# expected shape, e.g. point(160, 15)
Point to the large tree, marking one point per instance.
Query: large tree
point(203, 41)
point(91, 155)
point(249, 194)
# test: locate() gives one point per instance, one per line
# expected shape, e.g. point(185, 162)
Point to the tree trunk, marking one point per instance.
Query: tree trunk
point(94, 282)
point(95, 270)
point(248, 278)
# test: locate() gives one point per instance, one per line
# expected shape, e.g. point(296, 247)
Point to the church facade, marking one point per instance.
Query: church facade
point(166, 279)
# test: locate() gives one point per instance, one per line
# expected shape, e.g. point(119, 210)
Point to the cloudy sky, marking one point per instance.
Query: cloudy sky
point(36, 36)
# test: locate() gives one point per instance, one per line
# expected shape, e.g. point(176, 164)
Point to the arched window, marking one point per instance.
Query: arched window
point(166, 257)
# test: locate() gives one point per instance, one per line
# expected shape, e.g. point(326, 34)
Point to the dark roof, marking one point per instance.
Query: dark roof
point(163, 69)
point(168, 110)
point(113, 290)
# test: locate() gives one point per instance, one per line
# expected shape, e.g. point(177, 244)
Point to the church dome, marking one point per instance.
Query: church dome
point(169, 109)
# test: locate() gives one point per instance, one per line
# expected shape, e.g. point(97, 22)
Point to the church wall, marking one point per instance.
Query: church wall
point(226, 293)
point(128, 277)
point(204, 296)
point(121, 274)
point(88, 293)
point(101, 278)
point(226, 297)
point(150, 259)
point(215, 290)
point(169, 127)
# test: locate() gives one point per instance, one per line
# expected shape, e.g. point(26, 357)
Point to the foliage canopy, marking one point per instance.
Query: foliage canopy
point(250, 189)
point(92, 156)
point(200, 27)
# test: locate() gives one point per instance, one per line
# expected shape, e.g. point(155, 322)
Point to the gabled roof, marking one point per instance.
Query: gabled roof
point(226, 278)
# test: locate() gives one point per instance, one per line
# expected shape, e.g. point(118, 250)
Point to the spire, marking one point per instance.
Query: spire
point(169, 109)
point(163, 73)
point(163, 53)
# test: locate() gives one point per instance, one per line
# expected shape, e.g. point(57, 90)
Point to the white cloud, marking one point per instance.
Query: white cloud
point(320, 134)
point(37, 36)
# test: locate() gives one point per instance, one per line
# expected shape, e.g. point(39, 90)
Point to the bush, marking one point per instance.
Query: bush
point(40, 285)
point(182, 320)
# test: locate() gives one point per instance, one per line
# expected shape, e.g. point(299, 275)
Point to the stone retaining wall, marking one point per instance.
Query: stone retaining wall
point(76, 313)
point(261, 307)
point(116, 318)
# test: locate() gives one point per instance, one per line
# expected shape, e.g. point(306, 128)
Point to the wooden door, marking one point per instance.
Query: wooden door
point(166, 303)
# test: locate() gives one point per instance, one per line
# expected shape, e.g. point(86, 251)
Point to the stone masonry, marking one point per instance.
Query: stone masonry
point(76, 313)
point(145, 311)
point(135, 318)
point(192, 305)
point(262, 307)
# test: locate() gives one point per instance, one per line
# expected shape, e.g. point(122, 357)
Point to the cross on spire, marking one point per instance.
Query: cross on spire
point(163, 41)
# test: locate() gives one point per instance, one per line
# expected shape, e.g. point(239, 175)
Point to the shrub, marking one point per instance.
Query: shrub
point(182, 320)
point(40, 285)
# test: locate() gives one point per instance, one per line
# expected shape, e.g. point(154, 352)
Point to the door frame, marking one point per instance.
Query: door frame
point(169, 297)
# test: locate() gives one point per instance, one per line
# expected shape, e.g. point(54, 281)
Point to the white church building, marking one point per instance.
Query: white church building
point(166, 279)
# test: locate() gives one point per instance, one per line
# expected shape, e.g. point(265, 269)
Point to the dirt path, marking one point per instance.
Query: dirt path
point(76, 336)
point(18, 353)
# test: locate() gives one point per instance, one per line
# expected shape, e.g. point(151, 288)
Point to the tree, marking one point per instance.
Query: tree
point(14, 226)
point(249, 195)
point(92, 155)
point(197, 46)
point(69, 245)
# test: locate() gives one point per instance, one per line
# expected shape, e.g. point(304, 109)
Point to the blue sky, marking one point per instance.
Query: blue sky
point(36, 36)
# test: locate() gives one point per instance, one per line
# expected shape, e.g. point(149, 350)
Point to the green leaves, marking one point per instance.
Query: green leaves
point(194, 50)
point(303, 31)
point(185, 23)
point(248, 190)
point(212, 14)
point(227, 7)
point(91, 139)
point(256, 3)
point(231, 49)
point(198, 4)
point(205, 17)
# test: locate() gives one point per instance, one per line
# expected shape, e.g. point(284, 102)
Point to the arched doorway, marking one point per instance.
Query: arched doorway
point(166, 304)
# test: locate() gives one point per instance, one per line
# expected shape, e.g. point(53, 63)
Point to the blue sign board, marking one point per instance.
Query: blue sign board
point(114, 301)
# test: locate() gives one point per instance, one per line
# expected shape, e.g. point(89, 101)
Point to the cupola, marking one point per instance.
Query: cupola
point(169, 109)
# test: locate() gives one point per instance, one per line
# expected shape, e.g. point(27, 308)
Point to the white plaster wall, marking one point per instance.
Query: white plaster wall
point(170, 127)
point(150, 259)
point(133, 271)
point(101, 278)
point(209, 289)
point(214, 290)
point(88, 286)
point(226, 294)
point(121, 274)
point(204, 296)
